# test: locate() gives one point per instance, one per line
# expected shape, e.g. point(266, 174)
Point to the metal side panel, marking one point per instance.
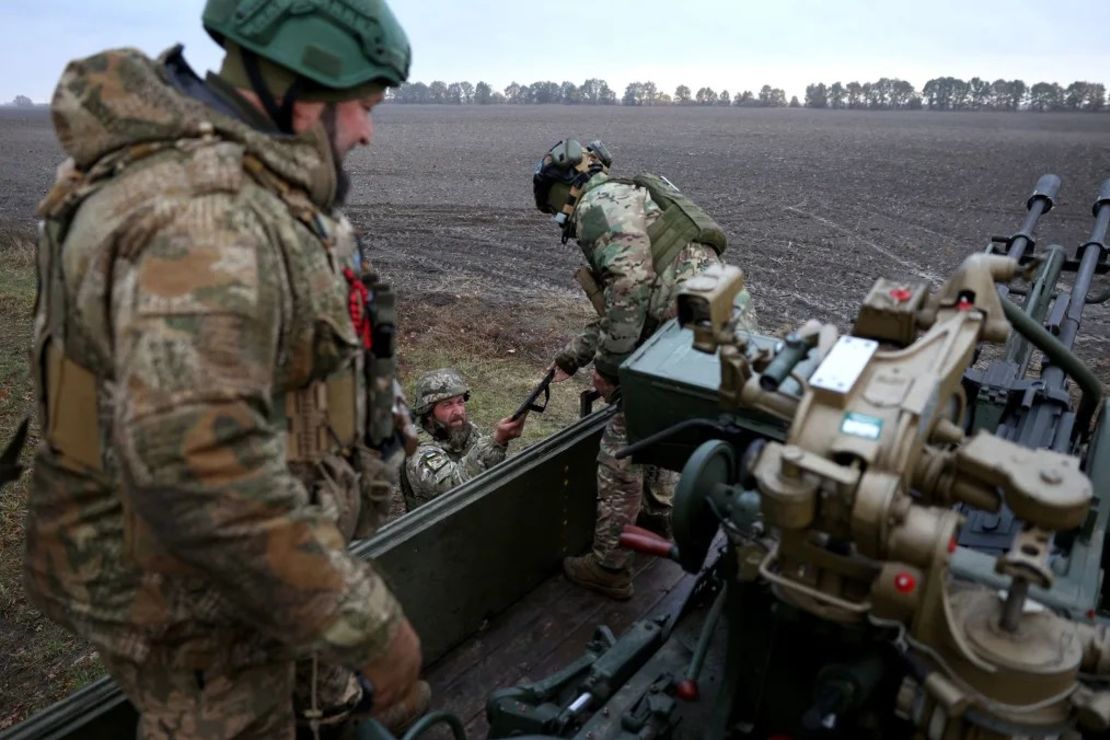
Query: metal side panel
point(473, 552)
point(454, 562)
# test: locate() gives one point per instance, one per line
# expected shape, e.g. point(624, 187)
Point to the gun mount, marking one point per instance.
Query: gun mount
point(862, 503)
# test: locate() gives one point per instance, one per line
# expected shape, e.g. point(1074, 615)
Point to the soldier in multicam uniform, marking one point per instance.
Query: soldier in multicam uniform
point(204, 370)
point(451, 449)
point(642, 240)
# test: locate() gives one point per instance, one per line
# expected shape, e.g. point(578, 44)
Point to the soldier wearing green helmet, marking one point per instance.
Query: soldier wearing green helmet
point(211, 387)
point(451, 449)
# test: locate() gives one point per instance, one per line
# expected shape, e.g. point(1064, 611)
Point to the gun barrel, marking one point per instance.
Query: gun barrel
point(1102, 199)
point(794, 350)
point(1046, 190)
point(1040, 202)
point(1090, 254)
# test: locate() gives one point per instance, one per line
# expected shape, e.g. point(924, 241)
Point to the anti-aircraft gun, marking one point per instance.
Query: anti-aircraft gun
point(853, 588)
point(847, 483)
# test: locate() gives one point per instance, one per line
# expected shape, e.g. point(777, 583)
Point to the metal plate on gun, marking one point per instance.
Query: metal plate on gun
point(845, 363)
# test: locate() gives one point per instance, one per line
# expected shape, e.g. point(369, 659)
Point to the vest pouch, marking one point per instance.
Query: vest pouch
point(681, 222)
point(378, 475)
point(337, 492)
point(71, 423)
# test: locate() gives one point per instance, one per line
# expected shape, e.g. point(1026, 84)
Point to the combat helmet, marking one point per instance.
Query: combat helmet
point(562, 171)
point(308, 49)
point(436, 386)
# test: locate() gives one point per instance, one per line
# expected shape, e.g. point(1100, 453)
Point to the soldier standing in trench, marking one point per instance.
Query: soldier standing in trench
point(451, 449)
point(204, 363)
point(642, 240)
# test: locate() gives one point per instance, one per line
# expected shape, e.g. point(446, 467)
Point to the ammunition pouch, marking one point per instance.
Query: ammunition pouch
point(70, 411)
point(681, 222)
point(585, 278)
point(321, 418)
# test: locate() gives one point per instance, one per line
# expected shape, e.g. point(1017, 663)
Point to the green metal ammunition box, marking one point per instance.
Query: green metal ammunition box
point(666, 382)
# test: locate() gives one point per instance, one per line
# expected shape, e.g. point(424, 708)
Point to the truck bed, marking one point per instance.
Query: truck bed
point(543, 632)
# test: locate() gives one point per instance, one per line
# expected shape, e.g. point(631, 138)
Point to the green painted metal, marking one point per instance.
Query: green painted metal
point(1078, 583)
point(1064, 358)
point(454, 562)
point(667, 381)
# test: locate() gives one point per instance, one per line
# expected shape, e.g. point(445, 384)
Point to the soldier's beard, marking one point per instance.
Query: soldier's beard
point(459, 436)
point(455, 434)
point(342, 179)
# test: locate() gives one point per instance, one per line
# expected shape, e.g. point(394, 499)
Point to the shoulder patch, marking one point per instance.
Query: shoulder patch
point(432, 458)
point(592, 222)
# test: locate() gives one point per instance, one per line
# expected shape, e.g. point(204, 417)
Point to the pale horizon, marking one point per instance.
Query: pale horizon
point(723, 45)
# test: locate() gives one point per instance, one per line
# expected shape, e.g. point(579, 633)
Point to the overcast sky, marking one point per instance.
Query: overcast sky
point(725, 44)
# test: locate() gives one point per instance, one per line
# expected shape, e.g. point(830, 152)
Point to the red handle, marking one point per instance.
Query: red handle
point(648, 545)
point(633, 529)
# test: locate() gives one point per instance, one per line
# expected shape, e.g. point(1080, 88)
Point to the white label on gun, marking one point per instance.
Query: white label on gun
point(845, 363)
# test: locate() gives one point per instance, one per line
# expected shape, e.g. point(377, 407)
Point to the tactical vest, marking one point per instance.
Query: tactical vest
point(326, 417)
point(681, 222)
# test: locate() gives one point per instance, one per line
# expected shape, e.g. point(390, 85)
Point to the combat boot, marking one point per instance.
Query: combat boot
point(588, 572)
point(658, 522)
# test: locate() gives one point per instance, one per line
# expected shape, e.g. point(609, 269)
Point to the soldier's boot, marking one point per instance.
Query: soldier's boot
point(588, 572)
point(658, 522)
point(400, 716)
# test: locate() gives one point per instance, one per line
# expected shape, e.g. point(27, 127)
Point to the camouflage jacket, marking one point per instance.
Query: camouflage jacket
point(610, 224)
point(438, 466)
point(201, 279)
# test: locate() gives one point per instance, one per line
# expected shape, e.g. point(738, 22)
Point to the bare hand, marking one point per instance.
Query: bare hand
point(508, 429)
point(603, 386)
point(394, 673)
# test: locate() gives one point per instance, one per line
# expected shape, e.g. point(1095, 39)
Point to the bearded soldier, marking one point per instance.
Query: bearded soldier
point(642, 239)
point(214, 386)
point(451, 449)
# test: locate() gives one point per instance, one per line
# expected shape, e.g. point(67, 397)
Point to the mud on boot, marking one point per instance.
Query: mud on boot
point(588, 572)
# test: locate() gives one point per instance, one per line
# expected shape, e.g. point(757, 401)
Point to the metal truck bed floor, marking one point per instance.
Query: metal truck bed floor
point(541, 634)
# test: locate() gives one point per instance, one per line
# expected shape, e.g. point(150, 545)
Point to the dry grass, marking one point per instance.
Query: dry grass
point(42, 662)
point(502, 353)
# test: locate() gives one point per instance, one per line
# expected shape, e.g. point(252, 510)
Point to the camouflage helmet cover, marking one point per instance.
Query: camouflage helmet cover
point(337, 44)
point(438, 385)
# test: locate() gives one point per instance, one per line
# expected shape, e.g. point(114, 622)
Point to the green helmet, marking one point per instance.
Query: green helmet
point(436, 386)
point(336, 44)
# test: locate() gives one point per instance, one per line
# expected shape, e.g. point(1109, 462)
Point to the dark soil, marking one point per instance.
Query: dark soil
point(816, 203)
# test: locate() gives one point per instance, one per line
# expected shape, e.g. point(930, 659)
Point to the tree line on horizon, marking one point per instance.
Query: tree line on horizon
point(939, 93)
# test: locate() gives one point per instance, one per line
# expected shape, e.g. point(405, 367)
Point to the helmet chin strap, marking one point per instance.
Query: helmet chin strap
point(587, 168)
point(282, 115)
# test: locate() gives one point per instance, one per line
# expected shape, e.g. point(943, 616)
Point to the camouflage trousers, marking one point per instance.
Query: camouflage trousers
point(622, 489)
point(264, 701)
